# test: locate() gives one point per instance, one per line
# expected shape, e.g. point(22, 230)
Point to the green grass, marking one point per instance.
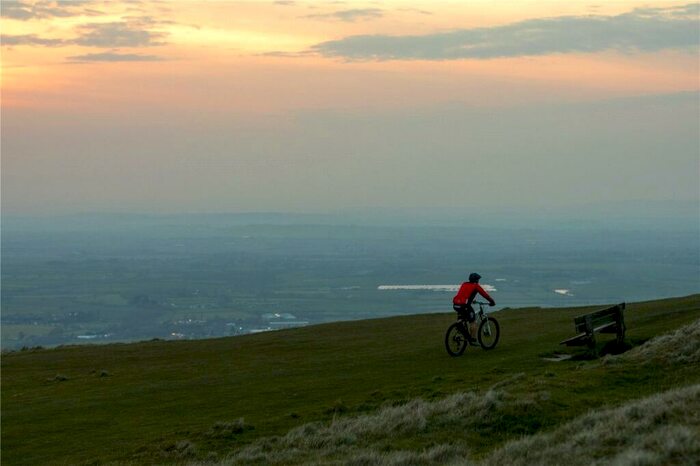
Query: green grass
point(161, 401)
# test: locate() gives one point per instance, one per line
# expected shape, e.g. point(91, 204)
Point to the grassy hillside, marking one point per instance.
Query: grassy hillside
point(203, 400)
point(663, 428)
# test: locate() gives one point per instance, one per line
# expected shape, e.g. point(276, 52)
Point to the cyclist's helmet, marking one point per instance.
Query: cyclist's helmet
point(474, 278)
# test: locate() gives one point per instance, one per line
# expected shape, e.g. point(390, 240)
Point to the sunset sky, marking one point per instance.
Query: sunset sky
point(306, 106)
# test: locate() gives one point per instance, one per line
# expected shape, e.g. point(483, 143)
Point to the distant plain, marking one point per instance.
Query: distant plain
point(102, 278)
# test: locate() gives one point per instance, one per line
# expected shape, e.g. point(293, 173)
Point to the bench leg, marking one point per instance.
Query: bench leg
point(620, 329)
point(592, 344)
point(591, 341)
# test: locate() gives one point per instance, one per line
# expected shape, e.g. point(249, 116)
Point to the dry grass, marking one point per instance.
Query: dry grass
point(661, 429)
point(226, 430)
point(443, 455)
point(350, 437)
point(362, 440)
point(679, 347)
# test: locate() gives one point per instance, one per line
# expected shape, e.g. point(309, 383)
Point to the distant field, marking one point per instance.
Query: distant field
point(18, 332)
point(170, 401)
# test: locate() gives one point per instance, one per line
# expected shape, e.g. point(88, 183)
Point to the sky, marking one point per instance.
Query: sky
point(314, 106)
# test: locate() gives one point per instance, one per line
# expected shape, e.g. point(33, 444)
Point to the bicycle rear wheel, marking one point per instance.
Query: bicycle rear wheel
point(489, 333)
point(456, 339)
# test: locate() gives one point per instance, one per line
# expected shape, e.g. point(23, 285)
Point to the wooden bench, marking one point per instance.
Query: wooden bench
point(609, 320)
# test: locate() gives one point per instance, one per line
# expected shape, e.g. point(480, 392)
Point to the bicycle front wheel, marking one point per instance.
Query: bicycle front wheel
point(489, 333)
point(456, 339)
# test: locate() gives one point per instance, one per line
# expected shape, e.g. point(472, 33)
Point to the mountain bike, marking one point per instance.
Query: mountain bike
point(488, 332)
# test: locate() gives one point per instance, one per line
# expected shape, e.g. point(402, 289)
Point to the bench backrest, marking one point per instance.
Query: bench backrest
point(588, 322)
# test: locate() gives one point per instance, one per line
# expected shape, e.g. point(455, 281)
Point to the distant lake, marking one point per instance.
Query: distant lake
point(454, 288)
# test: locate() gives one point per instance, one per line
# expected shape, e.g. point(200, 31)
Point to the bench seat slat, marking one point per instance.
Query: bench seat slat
point(578, 340)
point(595, 324)
point(608, 316)
point(609, 320)
point(608, 328)
point(599, 318)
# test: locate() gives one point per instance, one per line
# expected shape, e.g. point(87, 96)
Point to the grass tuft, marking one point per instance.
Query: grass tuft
point(440, 455)
point(227, 430)
point(338, 407)
point(180, 450)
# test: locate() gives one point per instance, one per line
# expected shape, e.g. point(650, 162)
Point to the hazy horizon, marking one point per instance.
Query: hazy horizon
point(666, 215)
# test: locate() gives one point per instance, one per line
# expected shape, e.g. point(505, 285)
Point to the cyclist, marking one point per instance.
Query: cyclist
point(462, 302)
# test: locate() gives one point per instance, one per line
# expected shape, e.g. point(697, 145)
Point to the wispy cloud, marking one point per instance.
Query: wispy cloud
point(25, 11)
point(113, 56)
point(118, 34)
point(352, 15)
point(16, 10)
point(642, 29)
point(29, 39)
point(133, 29)
point(132, 33)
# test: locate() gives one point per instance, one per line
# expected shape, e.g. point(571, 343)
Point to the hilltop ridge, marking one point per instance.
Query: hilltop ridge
point(205, 400)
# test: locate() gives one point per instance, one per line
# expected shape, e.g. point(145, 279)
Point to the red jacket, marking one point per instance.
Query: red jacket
point(467, 292)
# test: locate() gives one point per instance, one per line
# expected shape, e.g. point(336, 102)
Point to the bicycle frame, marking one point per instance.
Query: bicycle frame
point(481, 316)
